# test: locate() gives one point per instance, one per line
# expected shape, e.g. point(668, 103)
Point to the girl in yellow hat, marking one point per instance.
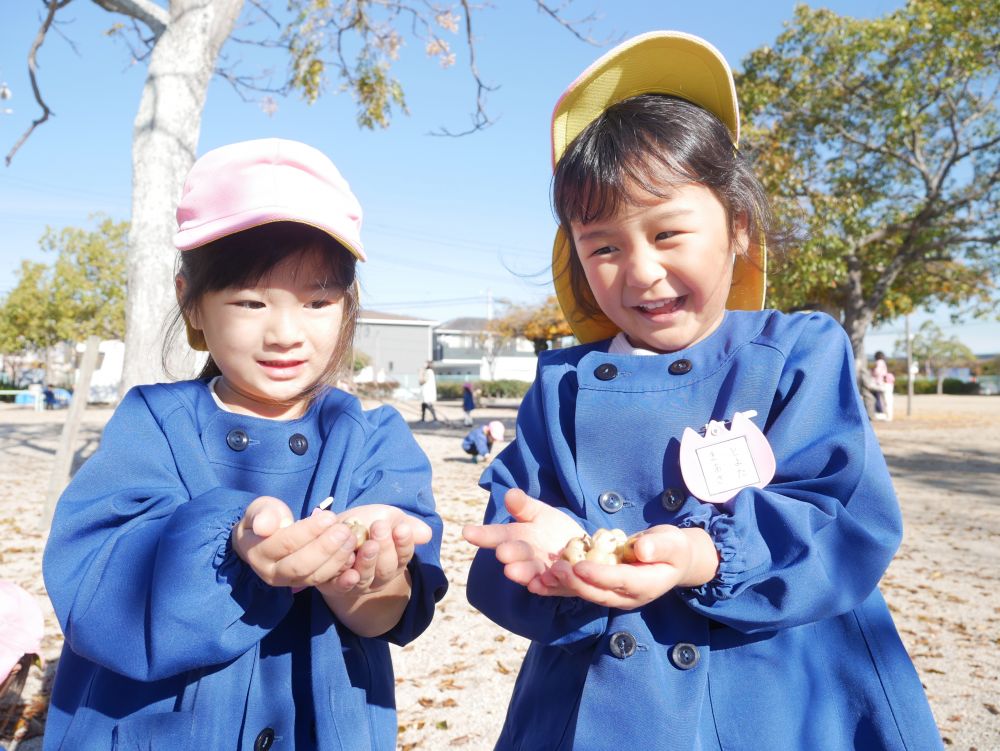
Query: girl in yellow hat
point(728, 443)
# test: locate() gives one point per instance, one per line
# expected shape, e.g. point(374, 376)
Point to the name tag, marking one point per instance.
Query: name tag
point(719, 464)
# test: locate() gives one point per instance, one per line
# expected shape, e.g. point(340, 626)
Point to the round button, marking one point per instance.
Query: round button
point(684, 655)
point(622, 644)
point(610, 501)
point(264, 741)
point(237, 440)
point(606, 371)
point(298, 444)
point(672, 499)
point(680, 367)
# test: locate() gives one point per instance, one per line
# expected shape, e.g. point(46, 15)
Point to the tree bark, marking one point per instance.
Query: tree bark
point(164, 145)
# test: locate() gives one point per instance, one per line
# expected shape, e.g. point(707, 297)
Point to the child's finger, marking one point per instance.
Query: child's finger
point(301, 564)
point(657, 546)
point(486, 535)
point(512, 551)
point(522, 506)
point(404, 547)
point(523, 572)
point(285, 541)
point(366, 563)
point(420, 530)
point(266, 515)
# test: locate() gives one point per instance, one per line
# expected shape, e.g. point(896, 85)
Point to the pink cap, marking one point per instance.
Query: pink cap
point(247, 184)
point(496, 429)
point(21, 626)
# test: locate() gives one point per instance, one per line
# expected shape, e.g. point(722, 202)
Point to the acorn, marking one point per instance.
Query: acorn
point(576, 549)
point(607, 546)
point(359, 530)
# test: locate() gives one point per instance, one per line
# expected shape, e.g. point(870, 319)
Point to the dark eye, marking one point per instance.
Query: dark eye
point(320, 304)
point(665, 235)
point(606, 250)
point(249, 304)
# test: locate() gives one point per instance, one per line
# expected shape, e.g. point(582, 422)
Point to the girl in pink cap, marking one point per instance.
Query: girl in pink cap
point(231, 565)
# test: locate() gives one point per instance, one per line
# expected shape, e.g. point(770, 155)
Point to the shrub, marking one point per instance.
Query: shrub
point(376, 390)
point(505, 388)
point(449, 390)
point(929, 386)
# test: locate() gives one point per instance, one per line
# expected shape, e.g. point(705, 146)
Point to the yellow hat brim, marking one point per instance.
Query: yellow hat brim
point(661, 62)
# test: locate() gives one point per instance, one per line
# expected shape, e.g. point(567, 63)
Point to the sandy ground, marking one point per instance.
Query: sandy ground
point(453, 683)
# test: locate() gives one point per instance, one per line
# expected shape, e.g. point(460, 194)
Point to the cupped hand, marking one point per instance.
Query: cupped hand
point(530, 545)
point(288, 553)
point(668, 557)
point(392, 537)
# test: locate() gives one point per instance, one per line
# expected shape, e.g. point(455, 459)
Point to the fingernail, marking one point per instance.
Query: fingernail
point(326, 520)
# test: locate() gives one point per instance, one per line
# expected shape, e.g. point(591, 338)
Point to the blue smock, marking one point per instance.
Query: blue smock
point(171, 640)
point(476, 442)
point(791, 647)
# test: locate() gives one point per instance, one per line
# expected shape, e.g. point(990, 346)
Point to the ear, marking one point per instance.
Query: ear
point(739, 243)
point(180, 285)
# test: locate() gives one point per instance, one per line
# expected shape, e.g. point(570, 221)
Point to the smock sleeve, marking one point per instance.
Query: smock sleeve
point(527, 463)
point(815, 541)
point(393, 470)
point(138, 566)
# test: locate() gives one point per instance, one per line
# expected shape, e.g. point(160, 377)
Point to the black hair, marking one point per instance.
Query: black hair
point(246, 258)
point(653, 143)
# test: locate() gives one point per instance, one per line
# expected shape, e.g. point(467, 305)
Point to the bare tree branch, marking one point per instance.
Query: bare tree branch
point(573, 27)
point(480, 119)
point(53, 6)
point(151, 14)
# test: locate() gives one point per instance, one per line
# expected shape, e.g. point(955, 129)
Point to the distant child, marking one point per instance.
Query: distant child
point(479, 442)
point(468, 402)
point(884, 384)
point(211, 593)
point(731, 440)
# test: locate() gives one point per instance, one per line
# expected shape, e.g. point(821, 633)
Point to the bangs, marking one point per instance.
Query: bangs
point(247, 259)
point(613, 164)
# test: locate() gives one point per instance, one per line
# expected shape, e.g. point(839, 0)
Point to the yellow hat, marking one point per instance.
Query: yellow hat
point(660, 62)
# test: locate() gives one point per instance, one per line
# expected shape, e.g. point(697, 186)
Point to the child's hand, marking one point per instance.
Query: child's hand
point(668, 557)
point(529, 546)
point(393, 535)
point(286, 553)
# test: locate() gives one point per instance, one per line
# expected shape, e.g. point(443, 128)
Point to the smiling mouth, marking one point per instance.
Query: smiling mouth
point(281, 364)
point(669, 305)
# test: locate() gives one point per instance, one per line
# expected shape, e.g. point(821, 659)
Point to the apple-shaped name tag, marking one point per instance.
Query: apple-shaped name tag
point(719, 464)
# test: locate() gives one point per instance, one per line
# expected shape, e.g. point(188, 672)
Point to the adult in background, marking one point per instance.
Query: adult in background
point(428, 393)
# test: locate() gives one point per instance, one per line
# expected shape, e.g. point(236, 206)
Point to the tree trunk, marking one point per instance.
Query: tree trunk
point(165, 140)
point(940, 382)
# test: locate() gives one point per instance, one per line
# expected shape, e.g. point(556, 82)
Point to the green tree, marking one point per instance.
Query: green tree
point(881, 138)
point(353, 43)
point(82, 293)
point(88, 280)
point(539, 324)
point(26, 313)
point(938, 353)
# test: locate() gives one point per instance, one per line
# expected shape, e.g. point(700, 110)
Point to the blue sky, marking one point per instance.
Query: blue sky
point(449, 223)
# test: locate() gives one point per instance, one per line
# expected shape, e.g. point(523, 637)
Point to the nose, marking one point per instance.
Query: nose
point(283, 329)
point(645, 267)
